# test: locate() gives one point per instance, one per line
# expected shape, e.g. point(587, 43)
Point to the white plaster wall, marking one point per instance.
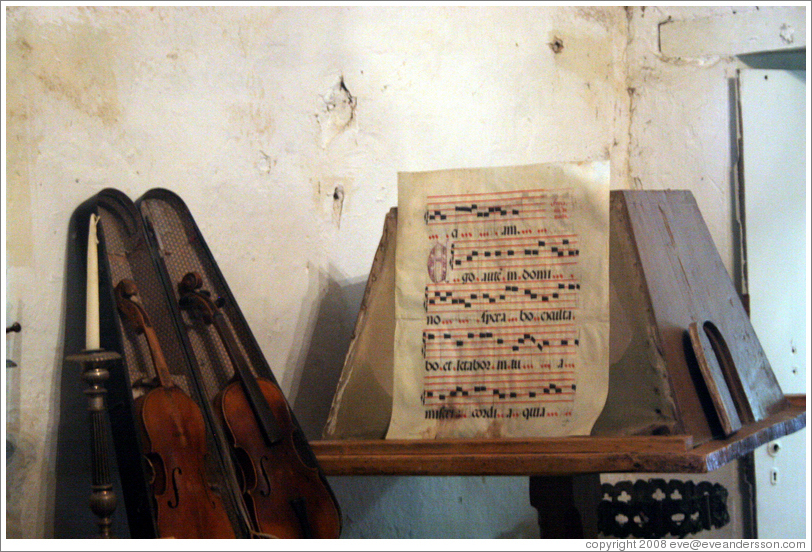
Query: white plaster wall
point(681, 120)
point(682, 136)
point(241, 111)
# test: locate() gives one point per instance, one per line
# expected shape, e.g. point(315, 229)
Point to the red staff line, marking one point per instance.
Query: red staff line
point(507, 266)
point(465, 290)
point(478, 305)
point(483, 305)
point(486, 205)
point(439, 336)
point(513, 376)
point(500, 382)
point(497, 335)
point(554, 335)
point(531, 241)
point(523, 209)
point(463, 218)
point(498, 291)
point(520, 256)
point(507, 261)
point(545, 237)
point(511, 265)
point(520, 297)
point(501, 401)
point(497, 309)
point(494, 384)
point(498, 379)
point(539, 191)
point(514, 247)
point(559, 191)
point(518, 354)
point(460, 322)
point(482, 219)
point(463, 334)
point(570, 325)
point(485, 285)
point(568, 393)
point(544, 199)
point(463, 348)
point(504, 260)
point(538, 385)
point(517, 390)
point(504, 203)
point(508, 209)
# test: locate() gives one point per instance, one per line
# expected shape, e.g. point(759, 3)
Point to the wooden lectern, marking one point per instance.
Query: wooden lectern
point(689, 390)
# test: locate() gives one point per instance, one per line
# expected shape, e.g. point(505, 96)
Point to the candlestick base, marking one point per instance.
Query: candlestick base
point(96, 365)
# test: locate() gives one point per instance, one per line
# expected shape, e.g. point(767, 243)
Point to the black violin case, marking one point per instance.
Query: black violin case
point(154, 241)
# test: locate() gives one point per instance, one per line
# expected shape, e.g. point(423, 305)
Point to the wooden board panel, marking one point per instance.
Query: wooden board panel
point(688, 283)
point(562, 456)
point(720, 452)
point(714, 378)
point(512, 464)
point(362, 404)
point(640, 400)
point(557, 445)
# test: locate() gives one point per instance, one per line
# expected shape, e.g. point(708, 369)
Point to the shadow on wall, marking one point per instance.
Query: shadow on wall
point(321, 368)
point(383, 506)
point(447, 507)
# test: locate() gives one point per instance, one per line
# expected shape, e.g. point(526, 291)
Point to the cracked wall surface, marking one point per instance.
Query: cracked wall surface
point(283, 129)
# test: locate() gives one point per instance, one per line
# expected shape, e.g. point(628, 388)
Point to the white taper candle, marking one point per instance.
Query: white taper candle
point(92, 340)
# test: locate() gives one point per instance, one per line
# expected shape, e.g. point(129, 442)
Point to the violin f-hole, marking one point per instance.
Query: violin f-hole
point(265, 477)
point(247, 473)
point(155, 472)
point(175, 473)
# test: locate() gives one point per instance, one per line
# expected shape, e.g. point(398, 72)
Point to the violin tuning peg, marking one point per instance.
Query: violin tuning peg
point(220, 302)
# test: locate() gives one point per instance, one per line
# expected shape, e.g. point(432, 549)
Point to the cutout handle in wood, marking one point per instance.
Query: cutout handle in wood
point(715, 363)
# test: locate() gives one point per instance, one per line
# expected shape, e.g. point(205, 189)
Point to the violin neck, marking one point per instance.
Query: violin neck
point(271, 431)
point(158, 360)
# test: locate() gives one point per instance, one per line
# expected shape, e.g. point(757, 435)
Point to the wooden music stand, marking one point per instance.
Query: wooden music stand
point(571, 465)
point(691, 359)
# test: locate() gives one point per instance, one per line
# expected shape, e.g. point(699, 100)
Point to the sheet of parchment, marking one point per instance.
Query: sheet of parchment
point(502, 302)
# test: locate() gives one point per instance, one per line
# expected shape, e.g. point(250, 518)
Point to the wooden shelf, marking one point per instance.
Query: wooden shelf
point(554, 456)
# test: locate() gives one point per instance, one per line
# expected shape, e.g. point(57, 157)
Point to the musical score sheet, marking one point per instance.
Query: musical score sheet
point(502, 302)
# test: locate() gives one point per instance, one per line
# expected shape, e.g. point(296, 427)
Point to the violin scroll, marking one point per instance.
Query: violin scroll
point(197, 300)
point(191, 282)
point(130, 305)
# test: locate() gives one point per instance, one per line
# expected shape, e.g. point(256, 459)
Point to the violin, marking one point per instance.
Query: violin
point(285, 496)
point(174, 443)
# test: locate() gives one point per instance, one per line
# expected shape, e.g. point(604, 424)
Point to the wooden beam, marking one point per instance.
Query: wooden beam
point(718, 453)
point(551, 445)
point(552, 456)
